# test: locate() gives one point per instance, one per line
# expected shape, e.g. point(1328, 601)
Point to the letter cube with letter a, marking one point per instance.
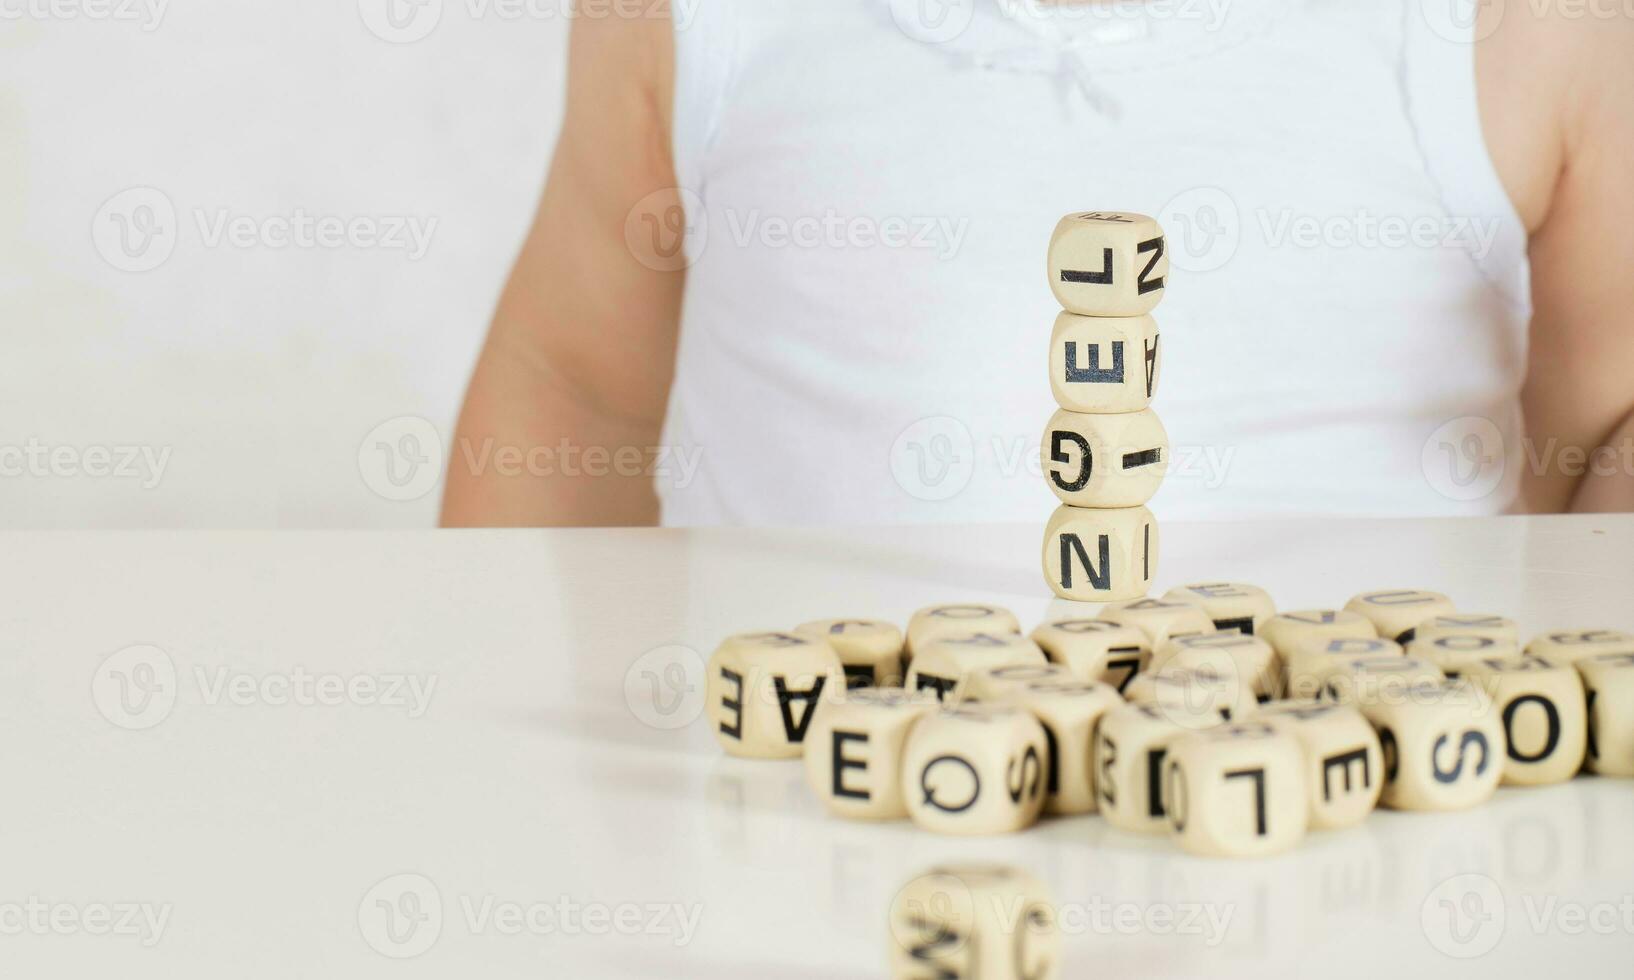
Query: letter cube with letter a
point(976, 921)
point(1100, 555)
point(854, 750)
point(1104, 365)
point(1344, 763)
point(1237, 791)
point(975, 769)
point(1108, 263)
point(1443, 747)
point(763, 690)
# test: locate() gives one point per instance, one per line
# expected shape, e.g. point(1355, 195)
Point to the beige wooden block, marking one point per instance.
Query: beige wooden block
point(1237, 791)
point(1104, 461)
point(1545, 716)
point(1095, 650)
point(1131, 742)
point(1453, 652)
point(1363, 680)
point(1232, 605)
point(763, 690)
point(1195, 699)
point(997, 683)
point(975, 769)
point(854, 750)
point(1344, 763)
point(1443, 747)
point(1608, 680)
point(1469, 624)
point(1108, 263)
point(870, 650)
point(957, 619)
point(1227, 653)
point(1100, 555)
point(1396, 613)
point(945, 663)
point(1159, 619)
point(1104, 365)
point(974, 921)
point(1288, 631)
point(1313, 657)
point(1570, 646)
point(1069, 710)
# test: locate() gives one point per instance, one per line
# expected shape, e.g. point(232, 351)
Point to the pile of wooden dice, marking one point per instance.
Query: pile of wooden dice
point(1204, 714)
point(1105, 452)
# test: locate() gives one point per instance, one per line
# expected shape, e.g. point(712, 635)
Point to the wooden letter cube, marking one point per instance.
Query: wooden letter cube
point(1469, 624)
point(1131, 743)
point(1312, 658)
point(1455, 652)
point(945, 663)
point(1069, 709)
point(1105, 460)
point(1396, 613)
point(870, 650)
point(1232, 605)
point(1443, 747)
point(1344, 764)
point(1287, 631)
point(975, 769)
point(976, 921)
point(1237, 791)
point(1104, 365)
point(1226, 653)
point(1100, 555)
point(1095, 650)
point(1108, 263)
point(1545, 717)
point(957, 619)
point(1160, 619)
point(763, 690)
point(1568, 647)
point(1195, 699)
point(854, 751)
point(1363, 680)
point(1608, 680)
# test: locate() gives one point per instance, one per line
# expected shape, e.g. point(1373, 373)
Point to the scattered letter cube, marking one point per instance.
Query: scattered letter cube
point(1545, 717)
point(1095, 650)
point(763, 689)
point(975, 921)
point(1344, 765)
point(1232, 605)
point(854, 751)
point(870, 650)
point(1237, 791)
point(975, 769)
point(1443, 747)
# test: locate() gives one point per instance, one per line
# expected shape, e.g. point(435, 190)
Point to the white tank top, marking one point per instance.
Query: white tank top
point(866, 323)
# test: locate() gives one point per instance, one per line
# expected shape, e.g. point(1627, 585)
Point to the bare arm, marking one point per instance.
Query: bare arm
point(569, 393)
point(1558, 103)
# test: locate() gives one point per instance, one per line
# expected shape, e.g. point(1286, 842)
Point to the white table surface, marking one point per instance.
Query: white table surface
point(263, 828)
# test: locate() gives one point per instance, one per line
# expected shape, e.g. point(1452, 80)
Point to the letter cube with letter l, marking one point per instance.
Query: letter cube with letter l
point(763, 690)
point(974, 921)
point(945, 664)
point(1608, 680)
point(854, 751)
point(1104, 365)
point(1105, 461)
point(1344, 763)
point(975, 769)
point(1131, 742)
point(1108, 263)
point(1232, 605)
point(1237, 791)
point(1545, 717)
point(1443, 747)
point(1095, 650)
point(1100, 555)
point(1396, 613)
point(870, 650)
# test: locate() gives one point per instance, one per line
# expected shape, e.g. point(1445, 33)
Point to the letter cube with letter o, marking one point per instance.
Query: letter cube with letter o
point(1344, 764)
point(1105, 461)
point(1131, 742)
point(986, 921)
point(957, 619)
point(1232, 605)
point(1608, 680)
point(944, 664)
point(854, 750)
point(1545, 717)
point(870, 650)
point(1104, 365)
point(1069, 709)
point(763, 690)
point(1100, 555)
point(1095, 650)
point(1396, 613)
point(1443, 747)
point(1236, 791)
point(1108, 263)
point(975, 769)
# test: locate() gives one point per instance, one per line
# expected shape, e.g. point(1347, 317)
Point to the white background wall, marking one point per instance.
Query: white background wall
point(254, 372)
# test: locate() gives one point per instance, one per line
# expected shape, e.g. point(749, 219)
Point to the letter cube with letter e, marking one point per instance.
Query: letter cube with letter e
point(1545, 717)
point(854, 750)
point(1608, 680)
point(975, 921)
point(1569, 647)
point(870, 650)
point(1344, 763)
point(1232, 605)
point(975, 769)
point(1095, 650)
point(944, 664)
point(763, 691)
point(1105, 460)
point(1396, 613)
point(1108, 263)
point(1069, 710)
point(1443, 747)
point(1237, 791)
point(1104, 365)
point(957, 619)
point(1131, 742)
point(1100, 555)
